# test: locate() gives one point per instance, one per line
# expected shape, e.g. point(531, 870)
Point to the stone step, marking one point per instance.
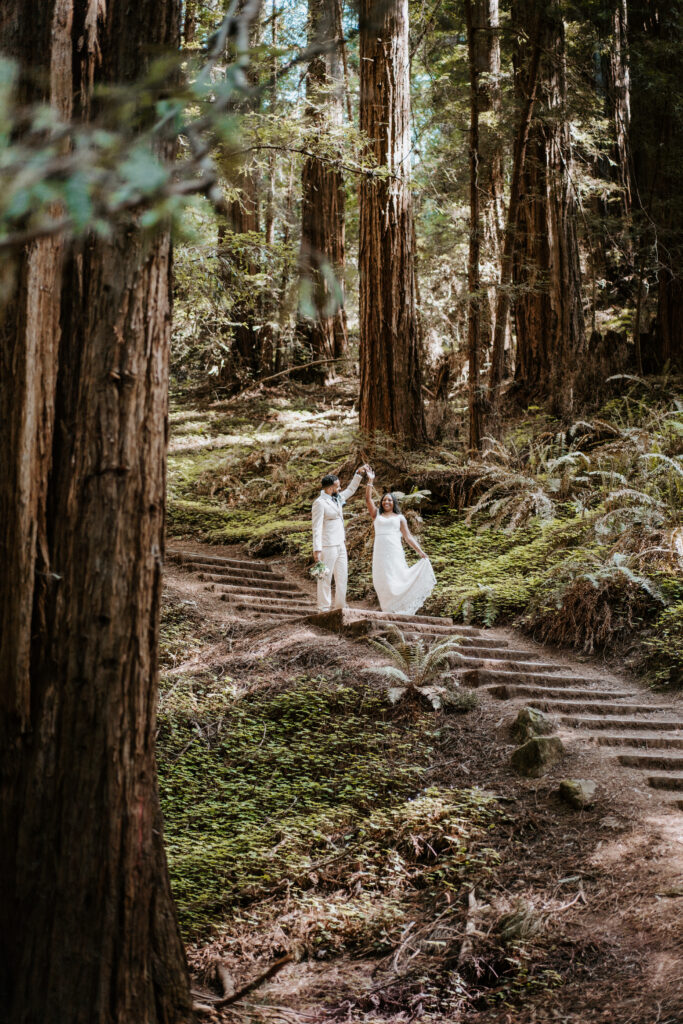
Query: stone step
point(193, 556)
point(579, 721)
point(262, 594)
point(277, 589)
point(489, 677)
point(666, 780)
point(596, 706)
point(637, 759)
point(506, 692)
point(649, 740)
point(233, 572)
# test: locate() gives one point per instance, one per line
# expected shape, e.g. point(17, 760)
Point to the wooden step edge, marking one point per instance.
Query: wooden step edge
point(640, 759)
point(636, 740)
point(666, 780)
point(196, 556)
point(553, 692)
point(576, 721)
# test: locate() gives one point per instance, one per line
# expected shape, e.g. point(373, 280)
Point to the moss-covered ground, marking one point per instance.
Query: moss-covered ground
point(389, 852)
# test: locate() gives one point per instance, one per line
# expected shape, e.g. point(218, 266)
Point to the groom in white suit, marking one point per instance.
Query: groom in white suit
point(329, 540)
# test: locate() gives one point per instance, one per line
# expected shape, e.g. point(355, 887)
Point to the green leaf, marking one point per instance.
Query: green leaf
point(78, 201)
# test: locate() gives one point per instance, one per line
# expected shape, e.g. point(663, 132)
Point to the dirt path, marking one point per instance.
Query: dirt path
point(606, 881)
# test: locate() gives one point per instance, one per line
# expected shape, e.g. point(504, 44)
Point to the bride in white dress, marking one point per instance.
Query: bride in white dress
point(401, 588)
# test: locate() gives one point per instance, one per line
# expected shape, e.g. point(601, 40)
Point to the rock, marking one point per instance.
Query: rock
point(578, 792)
point(344, 620)
point(531, 722)
point(538, 754)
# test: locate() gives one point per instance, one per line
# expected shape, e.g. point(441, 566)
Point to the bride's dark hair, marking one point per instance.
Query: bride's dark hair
point(397, 507)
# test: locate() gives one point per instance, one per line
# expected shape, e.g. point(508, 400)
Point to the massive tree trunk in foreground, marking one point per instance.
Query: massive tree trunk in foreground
point(390, 373)
point(548, 311)
point(88, 931)
point(321, 327)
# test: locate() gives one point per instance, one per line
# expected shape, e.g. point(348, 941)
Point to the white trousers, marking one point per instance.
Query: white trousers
point(336, 561)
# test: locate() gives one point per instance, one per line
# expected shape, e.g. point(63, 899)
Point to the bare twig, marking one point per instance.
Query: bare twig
point(470, 927)
point(257, 982)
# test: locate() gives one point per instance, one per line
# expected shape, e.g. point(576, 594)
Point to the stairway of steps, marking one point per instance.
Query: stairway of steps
point(638, 731)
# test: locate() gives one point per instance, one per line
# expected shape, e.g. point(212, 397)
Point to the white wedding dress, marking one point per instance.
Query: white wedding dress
point(400, 587)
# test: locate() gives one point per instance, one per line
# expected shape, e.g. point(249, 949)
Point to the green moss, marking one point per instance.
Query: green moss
point(252, 789)
point(492, 576)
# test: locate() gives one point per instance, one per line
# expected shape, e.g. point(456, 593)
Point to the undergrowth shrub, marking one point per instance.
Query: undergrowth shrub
point(591, 616)
point(662, 657)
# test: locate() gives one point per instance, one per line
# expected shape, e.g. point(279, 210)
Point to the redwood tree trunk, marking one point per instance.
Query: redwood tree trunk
point(390, 371)
point(548, 312)
point(485, 56)
point(321, 328)
point(474, 314)
point(235, 245)
point(88, 931)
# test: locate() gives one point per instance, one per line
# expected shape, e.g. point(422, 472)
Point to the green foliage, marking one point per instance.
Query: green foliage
point(662, 656)
point(416, 666)
point(253, 788)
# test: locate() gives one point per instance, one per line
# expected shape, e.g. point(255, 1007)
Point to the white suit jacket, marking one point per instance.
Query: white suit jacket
point(328, 516)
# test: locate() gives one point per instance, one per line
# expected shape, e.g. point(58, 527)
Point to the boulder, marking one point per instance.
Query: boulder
point(578, 792)
point(531, 722)
point(537, 755)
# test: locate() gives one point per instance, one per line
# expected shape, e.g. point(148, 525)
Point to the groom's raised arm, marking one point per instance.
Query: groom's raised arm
point(353, 486)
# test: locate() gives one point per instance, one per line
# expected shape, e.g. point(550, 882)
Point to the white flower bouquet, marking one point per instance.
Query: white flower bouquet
point(319, 571)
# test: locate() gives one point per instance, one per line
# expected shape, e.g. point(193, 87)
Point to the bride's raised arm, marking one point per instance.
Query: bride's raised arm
point(372, 509)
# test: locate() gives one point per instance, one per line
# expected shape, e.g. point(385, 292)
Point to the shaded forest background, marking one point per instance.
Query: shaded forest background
point(512, 323)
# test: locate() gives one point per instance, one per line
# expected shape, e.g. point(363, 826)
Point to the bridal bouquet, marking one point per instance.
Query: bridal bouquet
point(319, 571)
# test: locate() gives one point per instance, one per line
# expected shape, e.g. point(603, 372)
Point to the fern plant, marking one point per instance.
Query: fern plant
point(415, 667)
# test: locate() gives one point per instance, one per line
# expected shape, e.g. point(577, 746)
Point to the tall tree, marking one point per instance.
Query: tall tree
point(87, 926)
point(656, 33)
point(529, 87)
point(546, 271)
point(390, 363)
point(321, 327)
point(474, 28)
point(485, 58)
point(238, 242)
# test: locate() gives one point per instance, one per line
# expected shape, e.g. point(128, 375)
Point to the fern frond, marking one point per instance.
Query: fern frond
point(389, 672)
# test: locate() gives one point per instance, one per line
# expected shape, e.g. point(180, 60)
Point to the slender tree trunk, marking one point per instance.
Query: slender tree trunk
point(474, 316)
point(267, 340)
point(236, 246)
point(509, 238)
point(390, 359)
point(88, 931)
point(486, 46)
point(190, 21)
point(619, 93)
point(656, 132)
point(548, 312)
point(321, 327)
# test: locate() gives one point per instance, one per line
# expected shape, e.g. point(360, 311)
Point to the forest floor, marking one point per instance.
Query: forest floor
point(366, 827)
point(390, 851)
